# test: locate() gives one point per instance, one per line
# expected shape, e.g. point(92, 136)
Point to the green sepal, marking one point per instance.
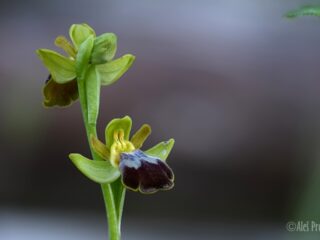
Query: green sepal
point(92, 85)
point(304, 11)
point(110, 72)
point(97, 171)
point(62, 69)
point(161, 150)
point(79, 33)
point(104, 49)
point(83, 56)
point(141, 136)
point(124, 123)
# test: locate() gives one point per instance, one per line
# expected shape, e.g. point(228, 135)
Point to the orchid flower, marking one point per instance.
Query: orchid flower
point(143, 171)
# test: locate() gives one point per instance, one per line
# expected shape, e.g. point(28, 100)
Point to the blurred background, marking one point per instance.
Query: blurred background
point(235, 83)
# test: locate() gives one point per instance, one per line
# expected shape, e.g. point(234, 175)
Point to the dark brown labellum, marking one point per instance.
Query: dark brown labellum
point(145, 173)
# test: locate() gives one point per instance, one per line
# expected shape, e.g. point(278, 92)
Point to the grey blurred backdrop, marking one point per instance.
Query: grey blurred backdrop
point(235, 83)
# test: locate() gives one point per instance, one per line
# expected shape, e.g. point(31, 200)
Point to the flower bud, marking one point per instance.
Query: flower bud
point(104, 49)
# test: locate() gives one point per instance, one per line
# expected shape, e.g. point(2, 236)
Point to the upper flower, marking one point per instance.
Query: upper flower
point(61, 89)
point(146, 172)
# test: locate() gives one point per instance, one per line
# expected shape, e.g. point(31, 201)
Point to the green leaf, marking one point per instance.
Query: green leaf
point(140, 136)
point(62, 69)
point(117, 124)
point(104, 49)
point(110, 72)
point(97, 171)
point(79, 33)
point(161, 150)
point(92, 84)
point(83, 56)
point(304, 11)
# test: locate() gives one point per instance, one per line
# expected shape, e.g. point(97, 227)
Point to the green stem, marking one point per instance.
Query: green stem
point(108, 197)
point(114, 226)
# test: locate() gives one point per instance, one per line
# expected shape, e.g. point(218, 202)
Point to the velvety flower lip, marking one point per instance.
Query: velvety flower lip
point(56, 94)
point(145, 173)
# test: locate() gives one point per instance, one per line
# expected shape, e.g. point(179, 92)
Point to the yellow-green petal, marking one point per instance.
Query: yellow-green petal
point(61, 68)
point(100, 148)
point(63, 43)
point(140, 136)
point(161, 150)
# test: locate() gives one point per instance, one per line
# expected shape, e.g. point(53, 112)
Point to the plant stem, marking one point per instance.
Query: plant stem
point(108, 197)
point(114, 226)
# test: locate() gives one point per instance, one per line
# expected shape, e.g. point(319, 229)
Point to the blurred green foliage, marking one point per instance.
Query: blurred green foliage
point(304, 11)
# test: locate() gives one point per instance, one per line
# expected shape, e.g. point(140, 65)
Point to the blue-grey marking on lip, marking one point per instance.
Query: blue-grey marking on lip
point(145, 173)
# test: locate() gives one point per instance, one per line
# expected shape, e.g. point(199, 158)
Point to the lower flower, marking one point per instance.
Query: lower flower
point(146, 172)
